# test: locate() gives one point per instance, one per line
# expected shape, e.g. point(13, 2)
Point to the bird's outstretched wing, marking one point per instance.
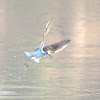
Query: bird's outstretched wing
point(56, 47)
point(47, 28)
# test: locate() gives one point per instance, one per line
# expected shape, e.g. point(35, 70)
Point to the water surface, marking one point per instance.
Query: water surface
point(73, 74)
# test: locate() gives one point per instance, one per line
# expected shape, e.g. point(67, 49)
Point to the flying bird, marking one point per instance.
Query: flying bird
point(46, 50)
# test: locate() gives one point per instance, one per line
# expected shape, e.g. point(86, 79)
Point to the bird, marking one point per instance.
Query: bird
point(42, 50)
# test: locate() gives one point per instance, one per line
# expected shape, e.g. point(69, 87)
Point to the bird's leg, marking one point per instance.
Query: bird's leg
point(29, 63)
point(26, 62)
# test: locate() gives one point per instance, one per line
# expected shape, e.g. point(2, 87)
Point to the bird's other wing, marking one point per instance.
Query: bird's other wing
point(47, 28)
point(56, 47)
point(48, 25)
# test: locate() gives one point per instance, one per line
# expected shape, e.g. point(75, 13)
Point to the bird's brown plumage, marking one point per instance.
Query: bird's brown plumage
point(56, 47)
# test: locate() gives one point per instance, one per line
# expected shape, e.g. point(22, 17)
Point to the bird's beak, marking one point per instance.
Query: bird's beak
point(49, 55)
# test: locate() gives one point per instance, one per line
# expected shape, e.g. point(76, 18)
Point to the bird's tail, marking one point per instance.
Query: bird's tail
point(29, 54)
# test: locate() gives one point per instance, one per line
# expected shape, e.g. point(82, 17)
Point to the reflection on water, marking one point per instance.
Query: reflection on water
point(72, 74)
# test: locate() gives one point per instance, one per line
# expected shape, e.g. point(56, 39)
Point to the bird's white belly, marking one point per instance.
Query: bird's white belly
point(35, 59)
point(37, 56)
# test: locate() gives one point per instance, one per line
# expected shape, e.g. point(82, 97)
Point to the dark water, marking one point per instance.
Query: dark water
point(74, 73)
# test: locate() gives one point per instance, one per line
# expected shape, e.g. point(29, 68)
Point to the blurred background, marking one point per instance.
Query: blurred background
point(72, 74)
